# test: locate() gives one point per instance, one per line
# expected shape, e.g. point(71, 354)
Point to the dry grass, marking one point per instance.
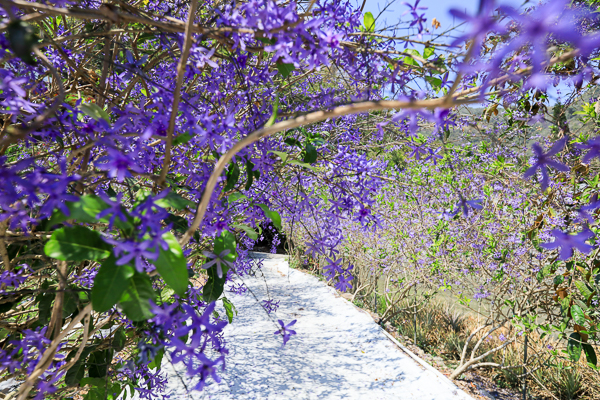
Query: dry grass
point(442, 331)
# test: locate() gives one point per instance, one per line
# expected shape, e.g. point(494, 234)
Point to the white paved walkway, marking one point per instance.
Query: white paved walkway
point(338, 353)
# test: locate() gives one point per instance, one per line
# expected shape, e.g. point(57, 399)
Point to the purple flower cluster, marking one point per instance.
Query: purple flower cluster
point(188, 336)
point(127, 154)
point(270, 305)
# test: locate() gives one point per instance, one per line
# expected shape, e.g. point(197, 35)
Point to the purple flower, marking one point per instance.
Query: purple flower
point(132, 67)
point(446, 215)
point(147, 351)
point(417, 151)
point(418, 19)
point(47, 385)
point(13, 278)
point(270, 305)
point(332, 268)
point(238, 289)
point(413, 121)
point(568, 242)
point(200, 332)
point(481, 294)
point(593, 147)
point(208, 368)
point(164, 314)
point(480, 25)
point(118, 165)
point(200, 324)
point(202, 57)
point(343, 283)
point(285, 331)
point(217, 260)
point(136, 251)
point(544, 160)
point(593, 204)
point(115, 210)
point(464, 204)
point(552, 18)
point(434, 156)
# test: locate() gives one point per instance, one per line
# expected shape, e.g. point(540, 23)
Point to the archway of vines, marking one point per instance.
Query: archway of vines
point(145, 144)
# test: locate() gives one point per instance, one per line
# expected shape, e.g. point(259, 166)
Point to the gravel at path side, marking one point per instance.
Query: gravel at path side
point(338, 353)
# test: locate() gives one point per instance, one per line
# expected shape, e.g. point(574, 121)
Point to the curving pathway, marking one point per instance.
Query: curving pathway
point(338, 353)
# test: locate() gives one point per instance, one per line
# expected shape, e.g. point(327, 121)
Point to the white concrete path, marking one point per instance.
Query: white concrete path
point(338, 353)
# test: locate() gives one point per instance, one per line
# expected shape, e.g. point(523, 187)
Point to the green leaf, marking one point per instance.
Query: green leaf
point(271, 120)
point(77, 243)
point(233, 175)
point(369, 22)
point(236, 196)
point(182, 139)
point(435, 82)
point(310, 153)
point(135, 301)
point(70, 302)
point(4, 307)
point(172, 266)
point(584, 289)
point(428, 52)
point(229, 309)
point(574, 346)
point(558, 279)
point(581, 304)
point(166, 294)
point(213, 288)
point(110, 283)
point(409, 61)
point(45, 301)
point(226, 241)
point(267, 40)
point(173, 200)
point(22, 40)
point(250, 173)
point(119, 339)
point(86, 210)
point(98, 363)
point(76, 373)
point(180, 224)
point(578, 315)
point(590, 354)
point(100, 392)
point(285, 69)
point(214, 285)
point(273, 215)
point(98, 389)
point(249, 231)
point(157, 361)
point(94, 111)
point(93, 382)
point(280, 154)
point(303, 164)
point(95, 394)
point(293, 142)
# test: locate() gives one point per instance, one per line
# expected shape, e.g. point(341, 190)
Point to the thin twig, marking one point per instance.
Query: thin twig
point(46, 359)
point(14, 134)
point(187, 45)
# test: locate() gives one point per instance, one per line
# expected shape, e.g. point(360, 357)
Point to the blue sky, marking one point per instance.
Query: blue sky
point(439, 9)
